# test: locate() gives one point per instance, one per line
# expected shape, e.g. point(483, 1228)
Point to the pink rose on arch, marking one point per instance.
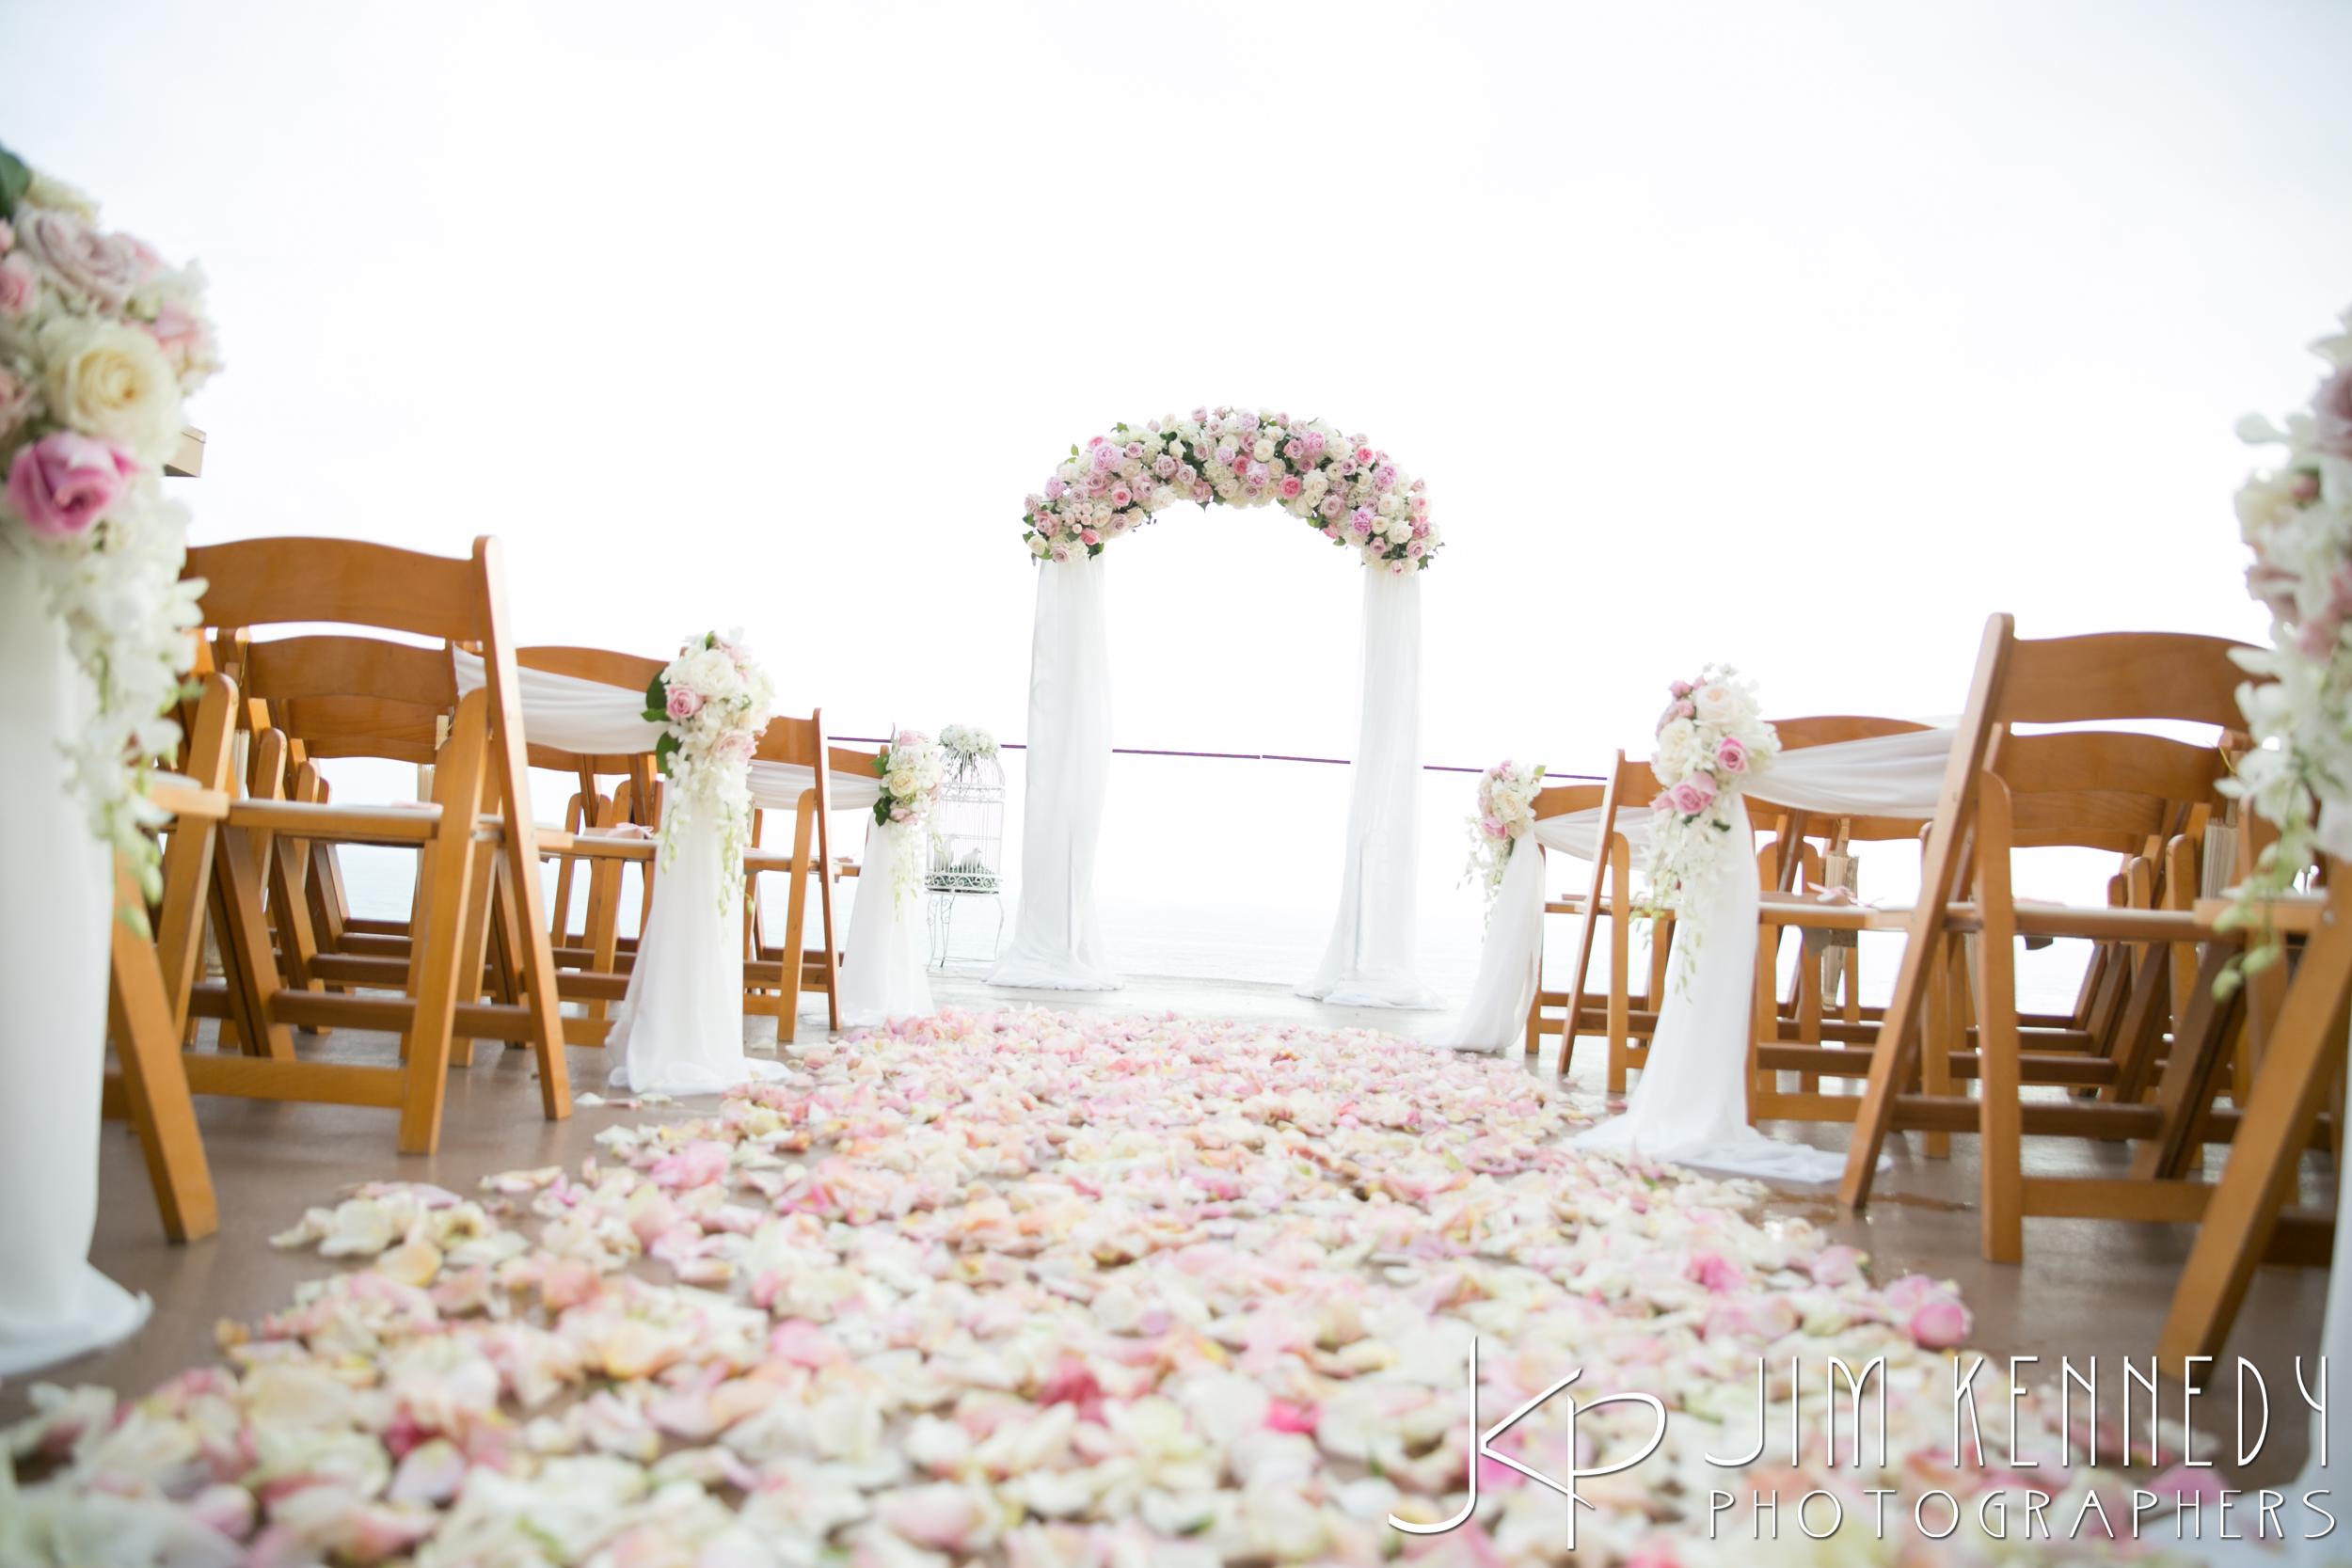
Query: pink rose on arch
point(684, 702)
point(1225, 453)
point(1333, 508)
point(106, 267)
point(1061, 552)
point(1293, 448)
point(1364, 455)
point(1163, 466)
point(1056, 489)
point(1104, 458)
point(1731, 755)
point(1120, 495)
point(1093, 441)
point(1361, 519)
point(1693, 795)
point(64, 481)
point(1257, 473)
point(1134, 449)
point(1415, 550)
point(1205, 492)
point(18, 284)
point(1398, 567)
point(1289, 486)
point(1087, 536)
point(1315, 443)
point(1385, 476)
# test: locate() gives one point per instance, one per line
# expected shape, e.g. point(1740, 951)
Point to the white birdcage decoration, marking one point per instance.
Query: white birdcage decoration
point(968, 842)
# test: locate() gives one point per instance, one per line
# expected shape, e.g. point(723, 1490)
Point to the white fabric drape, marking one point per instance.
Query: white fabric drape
point(882, 971)
point(1056, 940)
point(1691, 1105)
point(1370, 960)
point(54, 956)
point(589, 717)
point(1509, 967)
point(681, 1029)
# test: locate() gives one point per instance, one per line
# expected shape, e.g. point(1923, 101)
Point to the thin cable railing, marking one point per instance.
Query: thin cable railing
point(1217, 756)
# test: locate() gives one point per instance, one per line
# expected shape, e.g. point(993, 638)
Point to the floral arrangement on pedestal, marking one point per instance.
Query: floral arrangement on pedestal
point(913, 771)
point(1710, 743)
point(101, 341)
point(1339, 485)
point(967, 746)
point(713, 701)
point(2296, 518)
point(1506, 814)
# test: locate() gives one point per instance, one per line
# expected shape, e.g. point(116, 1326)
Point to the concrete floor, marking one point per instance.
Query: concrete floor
point(2087, 1288)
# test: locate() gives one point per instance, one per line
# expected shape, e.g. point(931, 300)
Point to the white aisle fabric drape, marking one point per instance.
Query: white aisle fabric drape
point(1697, 1116)
point(1056, 939)
point(884, 977)
point(679, 1030)
point(55, 936)
point(1370, 960)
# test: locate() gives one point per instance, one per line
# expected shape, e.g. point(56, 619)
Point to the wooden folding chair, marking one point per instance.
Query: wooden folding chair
point(151, 978)
point(480, 808)
point(2079, 680)
point(1625, 1020)
point(1557, 801)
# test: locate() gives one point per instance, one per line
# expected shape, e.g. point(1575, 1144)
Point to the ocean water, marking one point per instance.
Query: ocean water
point(1212, 870)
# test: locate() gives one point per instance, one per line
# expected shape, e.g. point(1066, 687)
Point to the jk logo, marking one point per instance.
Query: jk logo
point(1481, 1447)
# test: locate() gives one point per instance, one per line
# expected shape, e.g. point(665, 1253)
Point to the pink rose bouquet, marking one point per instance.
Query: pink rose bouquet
point(100, 340)
point(1710, 743)
point(1506, 814)
point(712, 701)
point(1231, 455)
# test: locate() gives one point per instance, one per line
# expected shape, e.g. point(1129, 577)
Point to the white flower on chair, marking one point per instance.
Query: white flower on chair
point(1506, 814)
point(1710, 742)
point(714, 702)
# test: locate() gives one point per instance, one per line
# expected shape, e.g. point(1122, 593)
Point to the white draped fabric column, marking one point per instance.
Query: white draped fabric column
point(681, 1029)
point(882, 976)
point(1057, 941)
point(54, 957)
point(1370, 961)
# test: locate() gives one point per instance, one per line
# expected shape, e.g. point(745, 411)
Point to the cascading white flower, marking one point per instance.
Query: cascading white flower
point(715, 702)
point(1506, 814)
point(913, 771)
point(1711, 741)
point(100, 341)
point(2296, 518)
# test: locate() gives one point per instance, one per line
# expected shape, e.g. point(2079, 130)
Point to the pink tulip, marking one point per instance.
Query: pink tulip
point(61, 484)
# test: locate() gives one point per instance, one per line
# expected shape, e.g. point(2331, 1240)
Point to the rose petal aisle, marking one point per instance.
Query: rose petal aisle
point(1049, 1290)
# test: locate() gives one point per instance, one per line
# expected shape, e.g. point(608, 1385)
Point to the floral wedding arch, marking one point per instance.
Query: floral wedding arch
point(1338, 485)
point(1346, 490)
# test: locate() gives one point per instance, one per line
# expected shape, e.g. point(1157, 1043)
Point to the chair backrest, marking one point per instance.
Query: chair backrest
point(632, 672)
point(1795, 734)
point(1560, 800)
point(2101, 789)
point(340, 696)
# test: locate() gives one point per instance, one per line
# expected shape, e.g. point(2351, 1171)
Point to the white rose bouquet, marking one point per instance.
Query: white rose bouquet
point(1710, 743)
point(100, 340)
point(714, 702)
point(1339, 485)
point(2296, 518)
point(913, 771)
point(967, 746)
point(1506, 814)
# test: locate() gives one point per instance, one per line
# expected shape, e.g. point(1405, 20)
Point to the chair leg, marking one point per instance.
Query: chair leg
point(146, 1042)
point(440, 948)
point(2000, 1110)
point(795, 924)
point(2280, 1112)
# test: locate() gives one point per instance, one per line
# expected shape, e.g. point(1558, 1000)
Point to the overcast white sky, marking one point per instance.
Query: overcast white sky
point(1798, 336)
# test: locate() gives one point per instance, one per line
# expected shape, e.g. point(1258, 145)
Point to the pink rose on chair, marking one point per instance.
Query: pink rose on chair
point(1731, 755)
point(684, 702)
point(16, 285)
point(64, 481)
point(1693, 795)
point(735, 746)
